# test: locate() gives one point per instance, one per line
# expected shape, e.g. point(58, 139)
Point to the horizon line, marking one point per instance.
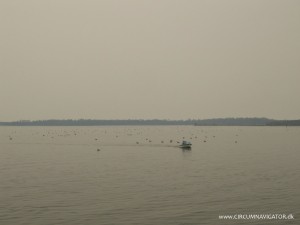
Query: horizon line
point(143, 119)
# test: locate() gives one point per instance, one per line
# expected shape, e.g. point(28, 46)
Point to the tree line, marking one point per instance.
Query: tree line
point(141, 122)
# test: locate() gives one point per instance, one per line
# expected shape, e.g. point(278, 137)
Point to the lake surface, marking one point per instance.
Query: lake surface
point(56, 175)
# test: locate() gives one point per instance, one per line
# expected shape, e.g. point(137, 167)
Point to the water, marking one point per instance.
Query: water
point(55, 175)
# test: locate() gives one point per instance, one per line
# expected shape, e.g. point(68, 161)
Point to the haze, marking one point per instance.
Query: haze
point(143, 59)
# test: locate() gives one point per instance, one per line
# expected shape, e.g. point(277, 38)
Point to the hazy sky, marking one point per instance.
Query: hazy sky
point(144, 59)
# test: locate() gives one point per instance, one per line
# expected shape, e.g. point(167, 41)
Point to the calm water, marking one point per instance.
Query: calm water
point(55, 175)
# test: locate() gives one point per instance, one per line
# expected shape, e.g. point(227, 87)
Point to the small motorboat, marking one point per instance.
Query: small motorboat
point(186, 145)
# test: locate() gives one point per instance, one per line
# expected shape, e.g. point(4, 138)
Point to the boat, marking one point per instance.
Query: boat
point(186, 145)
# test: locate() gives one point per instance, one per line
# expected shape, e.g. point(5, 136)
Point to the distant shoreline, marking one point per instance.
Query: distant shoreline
point(157, 122)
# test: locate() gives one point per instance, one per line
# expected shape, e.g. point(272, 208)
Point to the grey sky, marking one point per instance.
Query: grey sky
point(175, 59)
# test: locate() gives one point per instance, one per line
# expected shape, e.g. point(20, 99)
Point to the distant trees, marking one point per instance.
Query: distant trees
point(284, 123)
point(206, 122)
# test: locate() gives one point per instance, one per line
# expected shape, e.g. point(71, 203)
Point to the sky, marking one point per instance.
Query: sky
point(149, 59)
